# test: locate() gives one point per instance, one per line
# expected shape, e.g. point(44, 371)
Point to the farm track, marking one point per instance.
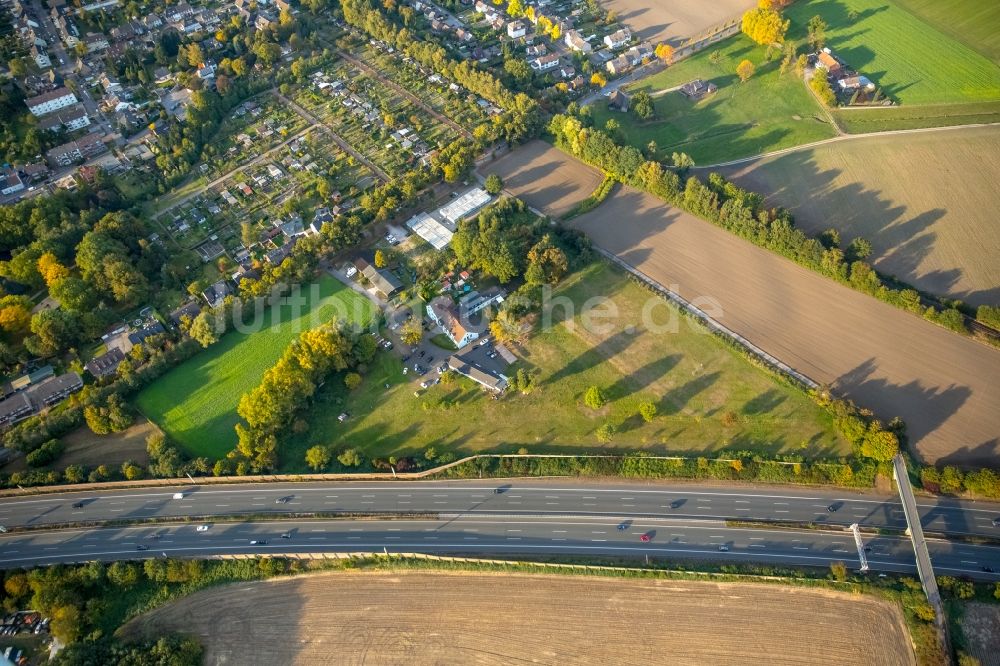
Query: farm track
point(839, 137)
point(421, 618)
point(943, 385)
point(371, 71)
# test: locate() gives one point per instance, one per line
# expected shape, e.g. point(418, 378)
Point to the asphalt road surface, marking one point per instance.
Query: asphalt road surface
point(550, 497)
point(509, 535)
point(520, 517)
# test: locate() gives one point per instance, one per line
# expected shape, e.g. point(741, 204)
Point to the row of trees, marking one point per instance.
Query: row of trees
point(270, 409)
point(740, 212)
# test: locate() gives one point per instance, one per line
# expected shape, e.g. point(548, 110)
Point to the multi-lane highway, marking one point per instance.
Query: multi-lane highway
point(557, 516)
point(567, 497)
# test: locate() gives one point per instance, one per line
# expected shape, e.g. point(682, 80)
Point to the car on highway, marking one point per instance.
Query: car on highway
point(996, 522)
point(644, 538)
point(724, 548)
point(286, 535)
point(281, 500)
point(77, 505)
point(142, 547)
point(833, 508)
point(988, 569)
point(258, 542)
point(201, 528)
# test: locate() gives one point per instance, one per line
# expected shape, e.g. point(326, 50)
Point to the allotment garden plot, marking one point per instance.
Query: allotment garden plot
point(268, 194)
point(383, 125)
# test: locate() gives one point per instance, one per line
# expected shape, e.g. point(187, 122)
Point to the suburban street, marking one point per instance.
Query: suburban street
point(509, 535)
point(525, 516)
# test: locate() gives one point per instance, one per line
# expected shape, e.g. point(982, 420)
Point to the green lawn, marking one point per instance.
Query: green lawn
point(195, 403)
point(975, 23)
point(911, 61)
point(768, 112)
point(708, 396)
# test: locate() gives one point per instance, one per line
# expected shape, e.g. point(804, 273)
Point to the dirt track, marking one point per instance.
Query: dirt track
point(439, 618)
point(674, 22)
point(944, 386)
point(549, 179)
point(930, 217)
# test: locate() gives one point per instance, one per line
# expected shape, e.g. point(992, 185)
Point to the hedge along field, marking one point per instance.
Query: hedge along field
point(768, 112)
point(195, 403)
point(911, 61)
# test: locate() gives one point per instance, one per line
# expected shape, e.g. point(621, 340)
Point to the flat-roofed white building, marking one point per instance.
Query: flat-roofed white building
point(432, 231)
point(466, 204)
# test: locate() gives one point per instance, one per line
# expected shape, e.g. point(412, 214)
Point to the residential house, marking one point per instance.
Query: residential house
point(41, 58)
point(217, 293)
point(468, 368)
point(84, 148)
point(70, 119)
point(443, 312)
point(149, 330)
point(191, 309)
point(575, 41)
point(384, 282)
point(567, 72)
point(475, 301)
point(545, 62)
point(826, 60)
point(618, 38)
point(697, 89)
point(10, 182)
point(105, 364)
point(619, 101)
point(536, 50)
point(516, 29)
point(51, 101)
point(619, 65)
point(95, 42)
point(54, 390)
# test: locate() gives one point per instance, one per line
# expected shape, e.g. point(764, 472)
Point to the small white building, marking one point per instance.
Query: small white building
point(516, 29)
point(618, 39)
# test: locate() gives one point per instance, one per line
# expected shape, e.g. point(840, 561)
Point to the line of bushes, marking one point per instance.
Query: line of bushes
point(741, 212)
point(728, 466)
point(595, 199)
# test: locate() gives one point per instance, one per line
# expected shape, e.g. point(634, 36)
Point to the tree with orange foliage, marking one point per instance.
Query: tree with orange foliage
point(745, 70)
point(665, 52)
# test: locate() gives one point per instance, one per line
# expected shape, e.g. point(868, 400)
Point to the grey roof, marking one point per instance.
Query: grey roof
point(14, 407)
point(477, 374)
point(105, 364)
point(55, 389)
point(190, 309)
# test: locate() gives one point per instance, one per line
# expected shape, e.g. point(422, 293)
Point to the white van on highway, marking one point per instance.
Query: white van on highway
point(178, 495)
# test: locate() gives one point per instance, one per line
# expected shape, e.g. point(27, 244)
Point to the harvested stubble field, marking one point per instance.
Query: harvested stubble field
point(926, 201)
point(674, 22)
point(943, 385)
point(981, 629)
point(447, 618)
point(550, 180)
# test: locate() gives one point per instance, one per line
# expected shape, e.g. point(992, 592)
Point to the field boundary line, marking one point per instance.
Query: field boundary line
point(769, 359)
point(843, 137)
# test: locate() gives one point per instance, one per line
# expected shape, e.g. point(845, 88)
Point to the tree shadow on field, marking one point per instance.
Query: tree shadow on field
point(763, 403)
point(641, 378)
point(902, 239)
point(592, 357)
point(923, 408)
point(675, 400)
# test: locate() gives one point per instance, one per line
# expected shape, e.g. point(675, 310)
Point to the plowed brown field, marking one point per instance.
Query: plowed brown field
point(675, 22)
point(930, 215)
point(438, 618)
point(946, 387)
point(549, 179)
